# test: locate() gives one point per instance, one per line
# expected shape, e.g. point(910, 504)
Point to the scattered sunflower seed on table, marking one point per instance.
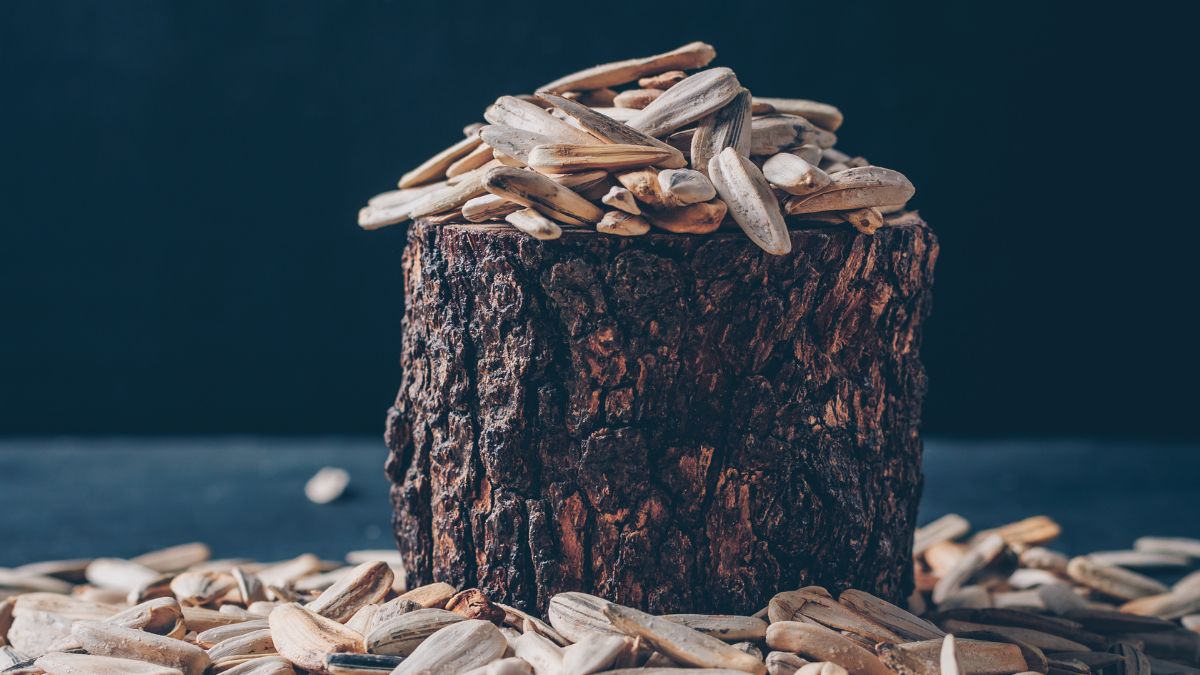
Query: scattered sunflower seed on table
point(677, 151)
point(1000, 601)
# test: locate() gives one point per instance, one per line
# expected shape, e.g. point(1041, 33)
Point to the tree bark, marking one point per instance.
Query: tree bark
point(672, 422)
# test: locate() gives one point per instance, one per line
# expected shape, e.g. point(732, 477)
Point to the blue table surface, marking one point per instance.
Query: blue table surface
point(70, 498)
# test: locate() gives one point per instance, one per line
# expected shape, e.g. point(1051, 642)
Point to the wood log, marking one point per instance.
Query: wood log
point(672, 422)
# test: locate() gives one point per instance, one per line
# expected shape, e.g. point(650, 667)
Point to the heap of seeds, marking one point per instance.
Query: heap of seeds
point(681, 153)
point(997, 602)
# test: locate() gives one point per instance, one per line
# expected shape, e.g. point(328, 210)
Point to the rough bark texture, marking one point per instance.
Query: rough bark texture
point(671, 422)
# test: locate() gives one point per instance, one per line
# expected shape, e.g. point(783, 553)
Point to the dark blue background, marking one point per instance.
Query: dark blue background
point(179, 181)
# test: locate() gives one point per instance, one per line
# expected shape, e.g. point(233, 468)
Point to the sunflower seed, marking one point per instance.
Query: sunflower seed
point(219, 634)
point(967, 597)
point(943, 556)
point(283, 573)
point(393, 207)
point(481, 155)
point(597, 98)
point(657, 670)
point(513, 112)
point(108, 640)
point(199, 619)
point(680, 643)
point(1188, 583)
point(771, 134)
point(430, 595)
point(815, 604)
point(727, 627)
point(118, 574)
point(509, 666)
point(823, 644)
point(866, 220)
point(688, 101)
point(545, 657)
point(201, 588)
point(536, 191)
point(363, 619)
point(513, 142)
point(327, 484)
point(1040, 558)
point(567, 158)
point(1113, 581)
point(254, 643)
point(434, 168)
point(361, 664)
point(609, 130)
point(1037, 638)
point(366, 584)
point(1173, 545)
point(449, 197)
point(821, 114)
point(876, 186)
point(681, 187)
point(90, 664)
point(822, 668)
point(750, 200)
point(266, 665)
point(161, 616)
point(784, 663)
point(727, 127)
point(32, 582)
point(636, 99)
point(908, 626)
point(1172, 605)
point(687, 57)
point(1140, 559)
point(794, 175)
point(517, 618)
point(1031, 531)
point(593, 654)
point(701, 218)
point(974, 656)
point(947, 528)
point(402, 634)
point(662, 80)
point(9, 657)
point(304, 637)
point(472, 603)
point(979, 556)
point(39, 620)
point(620, 198)
point(468, 644)
point(175, 558)
point(643, 185)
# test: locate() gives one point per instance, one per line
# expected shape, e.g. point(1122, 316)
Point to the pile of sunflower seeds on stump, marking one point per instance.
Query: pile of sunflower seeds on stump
point(993, 603)
point(676, 152)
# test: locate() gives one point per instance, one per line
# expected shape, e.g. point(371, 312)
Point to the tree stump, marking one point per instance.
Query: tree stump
point(672, 422)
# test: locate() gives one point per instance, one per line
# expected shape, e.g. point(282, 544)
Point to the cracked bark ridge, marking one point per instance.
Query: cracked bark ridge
point(672, 422)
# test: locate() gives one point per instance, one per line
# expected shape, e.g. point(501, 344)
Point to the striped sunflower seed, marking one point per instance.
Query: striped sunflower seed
point(305, 638)
point(91, 664)
point(822, 644)
point(680, 643)
point(750, 201)
point(365, 584)
point(103, 639)
point(688, 101)
point(468, 644)
point(402, 634)
point(687, 57)
point(1113, 581)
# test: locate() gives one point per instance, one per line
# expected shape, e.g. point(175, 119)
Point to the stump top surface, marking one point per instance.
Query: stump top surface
point(904, 220)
